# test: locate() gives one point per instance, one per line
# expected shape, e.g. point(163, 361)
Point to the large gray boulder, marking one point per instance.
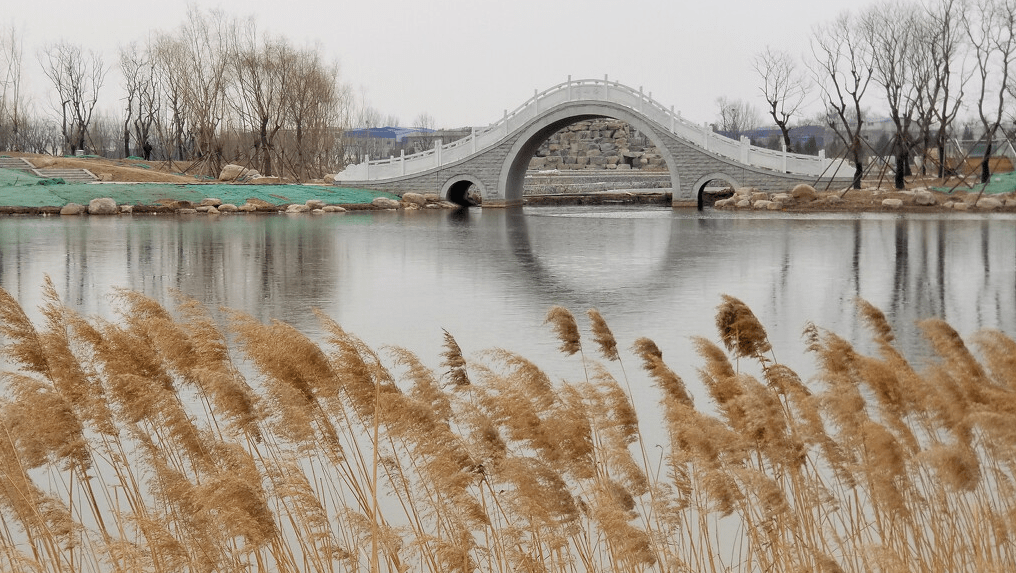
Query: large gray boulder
point(892, 203)
point(102, 206)
point(72, 209)
point(414, 199)
point(233, 172)
point(297, 208)
point(211, 202)
point(804, 192)
point(924, 198)
point(988, 203)
point(385, 203)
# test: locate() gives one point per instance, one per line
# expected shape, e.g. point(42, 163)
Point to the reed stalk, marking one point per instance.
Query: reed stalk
point(162, 441)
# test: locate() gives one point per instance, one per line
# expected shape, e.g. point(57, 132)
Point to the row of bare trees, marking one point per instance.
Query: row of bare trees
point(924, 62)
point(214, 90)
point(217, 90)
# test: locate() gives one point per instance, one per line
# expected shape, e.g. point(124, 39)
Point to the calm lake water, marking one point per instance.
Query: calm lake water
point(489, 276)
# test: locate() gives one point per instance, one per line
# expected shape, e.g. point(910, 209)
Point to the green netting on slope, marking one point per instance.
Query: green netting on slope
point(998, 183)
point(18, 189)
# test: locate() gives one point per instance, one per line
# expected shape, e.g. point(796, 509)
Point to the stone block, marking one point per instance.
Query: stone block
point(102, 206)
point(924, 198)
point(72, 209)
point(892, 203)
point(988, 203)
point(804, 192)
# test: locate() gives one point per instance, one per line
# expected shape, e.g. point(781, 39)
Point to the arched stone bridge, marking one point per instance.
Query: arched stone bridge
point(495, 158)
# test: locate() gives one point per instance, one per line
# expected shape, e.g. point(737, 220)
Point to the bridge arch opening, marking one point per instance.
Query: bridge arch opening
point(463, 190)
point(513, 171)
point(713, 187)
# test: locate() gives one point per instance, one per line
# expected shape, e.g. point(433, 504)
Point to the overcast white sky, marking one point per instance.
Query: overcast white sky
point(465, 61)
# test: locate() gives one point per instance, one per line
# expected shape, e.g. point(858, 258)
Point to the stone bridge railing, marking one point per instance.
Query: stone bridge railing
point(587, 90)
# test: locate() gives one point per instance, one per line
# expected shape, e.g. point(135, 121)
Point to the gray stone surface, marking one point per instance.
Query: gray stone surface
point(989, 203)
point(385, 203)
point(415, 199)
point(102, 206)
point(72, 209)
point(500, 169)
point(924, 198)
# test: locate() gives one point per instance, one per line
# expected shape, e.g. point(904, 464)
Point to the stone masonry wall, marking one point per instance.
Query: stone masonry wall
point(597, 144)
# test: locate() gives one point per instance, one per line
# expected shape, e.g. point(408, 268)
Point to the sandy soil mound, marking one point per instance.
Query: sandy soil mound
point(119, 170)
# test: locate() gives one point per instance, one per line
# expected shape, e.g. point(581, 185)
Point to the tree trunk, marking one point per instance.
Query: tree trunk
point(858, 171)
point(985, 168)
point(901, 169)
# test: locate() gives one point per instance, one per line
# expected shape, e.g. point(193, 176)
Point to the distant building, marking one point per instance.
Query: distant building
point(802, 137)
point(384, 142)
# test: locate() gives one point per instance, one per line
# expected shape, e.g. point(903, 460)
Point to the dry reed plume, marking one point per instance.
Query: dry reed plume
point(151, 443)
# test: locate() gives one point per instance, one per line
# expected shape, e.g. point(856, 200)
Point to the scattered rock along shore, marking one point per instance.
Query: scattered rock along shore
point(214, 206)
point(801, 199)
point(126, 191)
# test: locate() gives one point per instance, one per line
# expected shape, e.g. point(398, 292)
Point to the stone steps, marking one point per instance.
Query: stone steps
point(16, 163)
point(68, 175)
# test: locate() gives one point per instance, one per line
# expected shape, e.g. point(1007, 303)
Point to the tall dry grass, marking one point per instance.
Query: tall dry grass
point(157, 440)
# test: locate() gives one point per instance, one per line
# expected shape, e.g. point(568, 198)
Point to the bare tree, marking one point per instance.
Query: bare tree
point(736, 117)
point(200, 68)
point(940, 38)
point(991, 28)
point(142, 95)
point(423, 121)
point(261, 72)
point(783, 86)
point(12, 111)
point(843, 69)
point(77, 78)
point(312, 107)
point(890, 29)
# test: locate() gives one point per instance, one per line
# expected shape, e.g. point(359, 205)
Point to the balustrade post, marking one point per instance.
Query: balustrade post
point(705, 136)
point(783, 144)
point(536, 103)
point(569, 88)
point(744, 150)
point(605, 87)
point(402, 160)
point(506, 123)
point(366, 171)
point(672, 119)
point(472, 142)
point(641, 100)
point(437, 150)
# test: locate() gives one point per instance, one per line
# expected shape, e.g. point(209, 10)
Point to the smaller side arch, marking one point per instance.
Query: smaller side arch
point(455, 188)
point(700, 185)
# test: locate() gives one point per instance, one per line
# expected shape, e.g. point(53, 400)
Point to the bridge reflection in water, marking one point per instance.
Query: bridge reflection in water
point(489, 276)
